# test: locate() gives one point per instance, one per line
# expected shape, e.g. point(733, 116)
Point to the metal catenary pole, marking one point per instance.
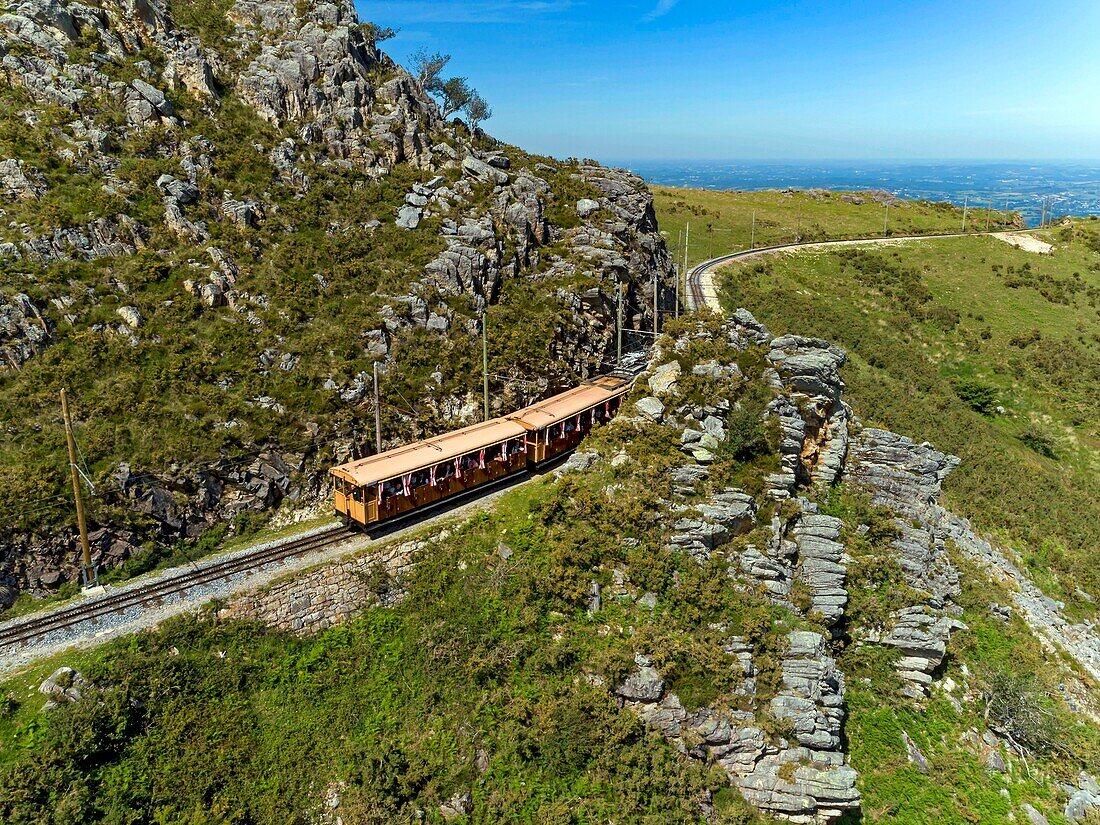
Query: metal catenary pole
point(966, 204)
point(87, 573)
point(752, 236)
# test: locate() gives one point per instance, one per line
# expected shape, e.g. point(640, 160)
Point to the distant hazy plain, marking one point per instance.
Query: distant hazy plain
point(1072, 188)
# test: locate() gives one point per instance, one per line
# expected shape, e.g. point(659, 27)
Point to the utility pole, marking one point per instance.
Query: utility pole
point(485, 357)
point(886, 224)
point(966, 203)
point(989, 215)
point(619, 346)
point(687, 246)
point(656, 304)
point(377, 412)
point(87, 571)
point(676, 272)
point(752, 237)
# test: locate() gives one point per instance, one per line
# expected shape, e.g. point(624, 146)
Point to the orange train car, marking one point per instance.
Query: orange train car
point(399, 482)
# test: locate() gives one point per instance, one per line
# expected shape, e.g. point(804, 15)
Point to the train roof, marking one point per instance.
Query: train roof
point(562, 407)
point(423, 454)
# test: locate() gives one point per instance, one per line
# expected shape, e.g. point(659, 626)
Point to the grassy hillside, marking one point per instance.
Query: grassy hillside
point(722, 221)
point(990, 352)
point(492, 679)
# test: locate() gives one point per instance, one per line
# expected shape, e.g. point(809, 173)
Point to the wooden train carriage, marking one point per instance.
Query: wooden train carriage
point(390, 484)
point(558, 424)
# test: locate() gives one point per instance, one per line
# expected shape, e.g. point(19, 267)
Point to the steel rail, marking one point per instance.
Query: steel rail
point(20, 634)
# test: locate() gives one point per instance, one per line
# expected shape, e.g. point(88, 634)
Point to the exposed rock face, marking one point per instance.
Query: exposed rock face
point(803, 779)
point(19, 181)
point(23, 331)
point(813, 418)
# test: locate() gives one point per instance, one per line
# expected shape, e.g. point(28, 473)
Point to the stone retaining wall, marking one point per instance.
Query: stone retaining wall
point(334, 593)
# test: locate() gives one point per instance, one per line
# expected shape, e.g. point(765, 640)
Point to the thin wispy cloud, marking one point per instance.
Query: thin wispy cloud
point(663, 8)
point(462, 11)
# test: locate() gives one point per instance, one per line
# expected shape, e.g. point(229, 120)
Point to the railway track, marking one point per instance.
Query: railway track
point(698, 298)
point(19, 634)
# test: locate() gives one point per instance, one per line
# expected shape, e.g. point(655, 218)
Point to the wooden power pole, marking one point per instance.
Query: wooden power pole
point(619, 345)
point(656, 304)
point(377, 412)
point(687, 247)
point(87, 572)
point(485, 357)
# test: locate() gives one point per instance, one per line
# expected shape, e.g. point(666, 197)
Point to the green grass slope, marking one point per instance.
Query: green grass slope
point(992, 353)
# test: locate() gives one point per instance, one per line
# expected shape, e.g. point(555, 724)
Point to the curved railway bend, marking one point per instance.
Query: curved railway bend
point(700, 285)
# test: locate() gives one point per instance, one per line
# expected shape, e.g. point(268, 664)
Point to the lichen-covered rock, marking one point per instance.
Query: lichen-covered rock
point(24, 333)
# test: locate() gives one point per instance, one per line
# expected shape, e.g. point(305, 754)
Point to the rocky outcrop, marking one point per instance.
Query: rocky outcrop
point(812, 416)
point(800, 775)
point(24, 332)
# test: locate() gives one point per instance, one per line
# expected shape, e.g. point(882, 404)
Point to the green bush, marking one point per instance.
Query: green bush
point(980, 397)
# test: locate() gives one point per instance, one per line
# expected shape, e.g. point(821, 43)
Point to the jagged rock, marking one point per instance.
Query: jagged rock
point(461, 804)
point(212, 295)
point(664, 378)
point(685, 479)
point(408, 217)
point(820, 565)
point(1080, 805)
point(181, 227)
point(922, 639)
point(64, 685)
point(644, 685)
point(131, 316)
point(24, 333)
point(183, 191)
point(587, 207)
point(102, 238)
point(245, 214)
point(20, 181)
point(1033, 816)
point(579, 462)
point(651, 408)
point(146, 104)
point(903, 475)
point(913, 753)
point(718, 372)
point(750, 328)
point(482, 171)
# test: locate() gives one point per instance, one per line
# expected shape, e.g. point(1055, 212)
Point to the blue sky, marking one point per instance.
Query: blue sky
point(688, 79)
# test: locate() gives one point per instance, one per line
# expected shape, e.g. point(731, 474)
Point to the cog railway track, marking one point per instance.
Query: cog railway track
point(33, 629)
